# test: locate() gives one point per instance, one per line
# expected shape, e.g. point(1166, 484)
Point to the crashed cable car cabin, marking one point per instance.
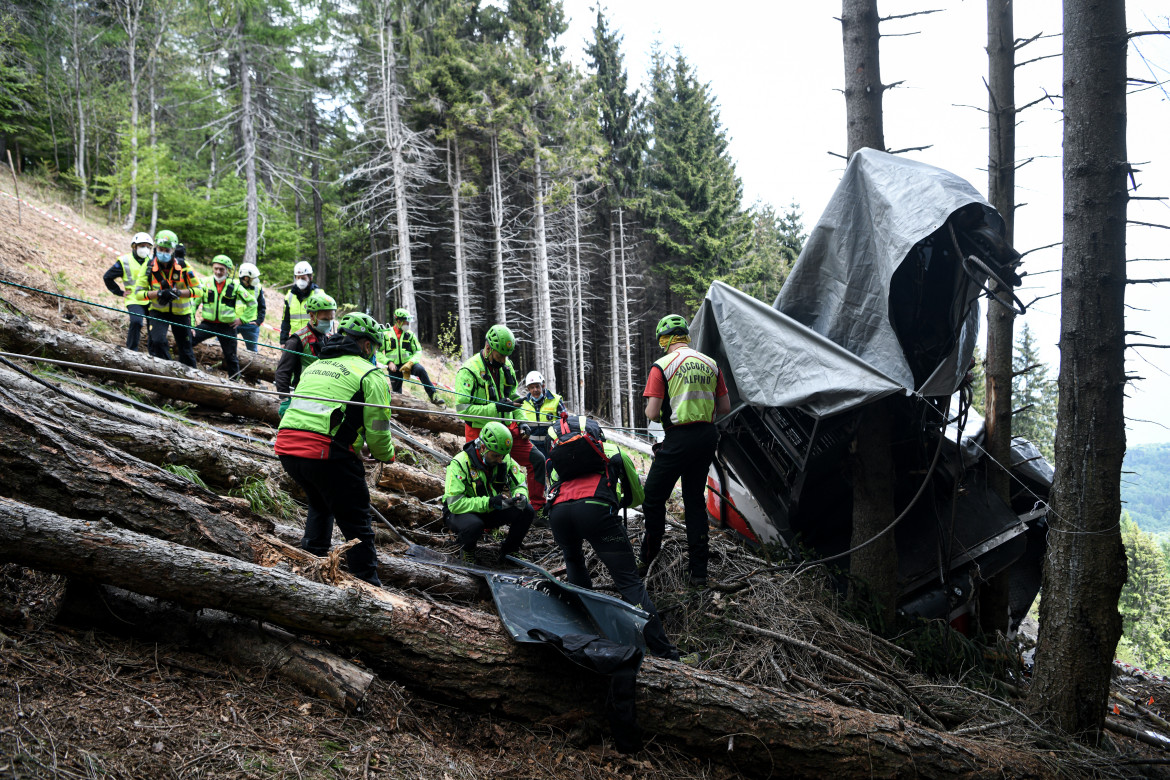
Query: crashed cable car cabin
point(881, 304)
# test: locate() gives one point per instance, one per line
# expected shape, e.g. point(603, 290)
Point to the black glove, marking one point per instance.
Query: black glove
point(181, 252)
point(525, 430)
point(168, 295)
point(503, 407)
point(496, 502)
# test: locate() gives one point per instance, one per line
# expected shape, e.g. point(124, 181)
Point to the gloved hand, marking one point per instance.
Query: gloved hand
point(167, 295)
point(497, 502)
point(505, 408)
point(525, 430)
point(284, 406)
point(181, 252)
point(406, 368)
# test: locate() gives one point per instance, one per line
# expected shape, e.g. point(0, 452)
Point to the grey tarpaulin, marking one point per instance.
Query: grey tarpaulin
point(770, 359)
point(840, 285)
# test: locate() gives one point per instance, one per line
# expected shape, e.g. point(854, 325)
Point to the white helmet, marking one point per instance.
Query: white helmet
point(249, 270)
point(141, 238)
point(302, 269)
point(533, 378)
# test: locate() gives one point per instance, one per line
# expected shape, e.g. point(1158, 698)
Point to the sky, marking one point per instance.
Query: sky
point(775, 69)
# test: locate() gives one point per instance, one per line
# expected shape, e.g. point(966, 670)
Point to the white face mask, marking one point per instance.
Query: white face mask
point(220, 276)
point(143, 252)
point(302, 284)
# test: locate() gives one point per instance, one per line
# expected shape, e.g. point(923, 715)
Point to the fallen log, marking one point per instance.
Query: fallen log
point(20, 335)
point(412, 481)
point(254, 366)
point(464, 656)
point(219, 635)
point(419, 414)
point(405, 511)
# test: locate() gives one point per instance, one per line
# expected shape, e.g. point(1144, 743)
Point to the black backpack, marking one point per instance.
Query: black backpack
point(575, 447)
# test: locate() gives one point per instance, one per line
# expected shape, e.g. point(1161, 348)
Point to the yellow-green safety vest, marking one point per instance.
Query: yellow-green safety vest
point(691, 379)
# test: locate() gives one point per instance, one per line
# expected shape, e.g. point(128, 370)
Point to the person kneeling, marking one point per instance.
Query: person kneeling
point(486, 489)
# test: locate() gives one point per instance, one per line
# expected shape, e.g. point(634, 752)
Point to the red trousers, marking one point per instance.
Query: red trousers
point(522, 454)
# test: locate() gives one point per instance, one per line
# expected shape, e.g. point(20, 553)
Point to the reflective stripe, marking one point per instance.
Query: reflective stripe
point(378, 425)
point(305, 405)
point(298, 316)
point(462, 407)
point(685, 353)
point(693, 395)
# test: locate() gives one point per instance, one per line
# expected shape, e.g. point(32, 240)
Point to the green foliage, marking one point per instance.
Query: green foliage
point(1145, 487)
point(448, 339)
point(18, 82)
point(187, 473)
point(264, 499)
point(1145, 598)
point(979, 385)
point(776, 243)
point(1034, 396)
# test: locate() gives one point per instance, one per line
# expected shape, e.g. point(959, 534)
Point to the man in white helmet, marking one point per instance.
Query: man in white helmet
point(254, 313)
point(540, 408)
point(126, 266)
point(295, 316)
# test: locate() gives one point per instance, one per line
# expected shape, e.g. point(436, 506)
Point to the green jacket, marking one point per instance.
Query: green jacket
point(479, 389)
point(469, 489)
point(226, 305)
point(251, 298)
point(399, 348)
point(131, 265)
point(342, 375)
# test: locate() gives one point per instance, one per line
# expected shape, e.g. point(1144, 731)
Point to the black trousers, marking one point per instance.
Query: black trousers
point(687, 453)
point(180, 325)
point(586, 520)
point(336, 491)
point(469, 527)
point(418, 371)
point(227, 342)
point(137, 319)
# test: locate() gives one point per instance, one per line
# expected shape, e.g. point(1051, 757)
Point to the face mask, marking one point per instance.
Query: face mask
point(163, 256)
point(142, 252)
point(324, 327)
point(220, 276)
point(302, 284)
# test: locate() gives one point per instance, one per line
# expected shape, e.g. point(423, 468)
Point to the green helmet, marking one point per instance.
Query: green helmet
point(501, 339)
point(224, 260)
point(361, 325)
point(671, 325)
point(496, 437)
point(319, 301)
point(166, 240)
point(402, 314)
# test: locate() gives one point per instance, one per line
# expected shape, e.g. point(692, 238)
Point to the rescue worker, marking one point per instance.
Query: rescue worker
point(539, 408)
point(127, 267)
point(295, 316)
point(171, 289)
point(485, 489)
point(322, 433)
point(585, 509)
point(225, 302)
point(304, 347)
point(685, 391)
point(401, 351)
point(254, 312)
point(485, 384)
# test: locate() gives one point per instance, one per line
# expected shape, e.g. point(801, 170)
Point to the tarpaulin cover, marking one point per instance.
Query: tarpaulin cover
point(840, 285)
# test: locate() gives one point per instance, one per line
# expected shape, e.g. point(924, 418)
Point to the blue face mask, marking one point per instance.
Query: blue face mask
point(164, 257)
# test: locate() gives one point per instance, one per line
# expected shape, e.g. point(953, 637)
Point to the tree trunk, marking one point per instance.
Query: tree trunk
point(78, 56)
point(578, 282)
point(409, 480)
point(153, 143)
point(497, 212)
point(543, 324)
point(395, 141)
point(1086, 563)
point(130, 16)
point(248, 140)
point(321, 271)
point(863, 78)
point(314, 670)
point(30, 338)
point(1001, 174)
point(615, 395)
point(571, 376)
point(463, 304)
point(628, 335)
point(463, 656)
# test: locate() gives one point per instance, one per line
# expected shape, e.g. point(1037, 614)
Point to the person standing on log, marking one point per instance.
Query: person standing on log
point(171, 288)
point(585, 509)
point(400, 355)
point(322, 433)
point(225, 302)
point(304, 347)
point(127, 266)
point(540, 408)
point(485, 489)
point(486, 383)
point(294, 300)
point(686, 391)
point(254, 311)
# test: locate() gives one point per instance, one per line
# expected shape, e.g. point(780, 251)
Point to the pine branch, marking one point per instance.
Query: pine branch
point(1037, 249)
point(907, 16)
point(1143, 33)
point(900, 35)
point(1046, 96)
point(1148, 281)
point(1023, 371)
point(1148, 346)
point(892, 85)
point(1034, 301)
point(911, 149)
point(1146, 224)
point(1036, 59)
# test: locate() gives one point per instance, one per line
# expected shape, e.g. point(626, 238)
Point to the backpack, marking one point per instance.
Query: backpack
point(575, 447)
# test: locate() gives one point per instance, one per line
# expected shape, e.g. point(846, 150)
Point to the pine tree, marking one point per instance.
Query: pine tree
point(1034, 395)
point(1145, 597)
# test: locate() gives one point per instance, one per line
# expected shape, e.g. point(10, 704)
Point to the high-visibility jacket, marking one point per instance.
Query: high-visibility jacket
point(541, 411)
point(471, 483)
point(152, 278)
point(131, 265)
point(295, 317)
point(401, 346)
point(479, 388)
point(226, 301)
point(691, 379)
point(334, 427)
point(619, 484)
point(251, 310)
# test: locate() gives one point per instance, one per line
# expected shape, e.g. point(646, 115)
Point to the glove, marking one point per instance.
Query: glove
point(497, 502)
point(284, 406)
point(405, 368)
point(505, 408)
point(167, 295)
point(525, 430)
point(181, 252)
